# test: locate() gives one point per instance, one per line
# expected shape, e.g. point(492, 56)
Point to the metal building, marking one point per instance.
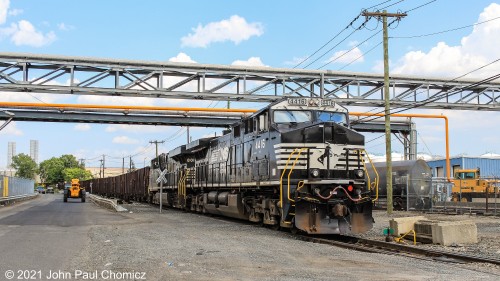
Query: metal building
point(11, 152)
point(34, 150)
point(490, 166)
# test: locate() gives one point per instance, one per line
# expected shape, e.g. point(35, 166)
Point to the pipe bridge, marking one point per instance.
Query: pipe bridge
point(128, 78)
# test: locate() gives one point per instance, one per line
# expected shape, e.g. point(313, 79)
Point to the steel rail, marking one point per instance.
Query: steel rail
point(375, 246)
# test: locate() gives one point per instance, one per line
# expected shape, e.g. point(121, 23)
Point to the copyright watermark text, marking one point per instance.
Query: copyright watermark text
point(74, 275)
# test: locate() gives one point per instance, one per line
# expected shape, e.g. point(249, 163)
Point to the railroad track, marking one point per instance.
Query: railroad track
point(374, 246)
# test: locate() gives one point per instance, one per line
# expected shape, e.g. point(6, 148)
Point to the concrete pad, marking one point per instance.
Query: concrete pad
point(404, 224)
point(456, 232)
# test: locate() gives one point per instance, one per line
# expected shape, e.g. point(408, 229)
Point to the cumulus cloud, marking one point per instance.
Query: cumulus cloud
point(347, 56)
point(15, 12)
point(235, 29)
point(252, 61)
point(181, 57)
point(4, 7)
point(477, 49)
point(65, 27)
point(124, 140)
point(82, 127)
point(24, 33)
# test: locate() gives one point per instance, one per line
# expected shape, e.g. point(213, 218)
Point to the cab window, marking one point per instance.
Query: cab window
point(336, 117)
point(291, 116)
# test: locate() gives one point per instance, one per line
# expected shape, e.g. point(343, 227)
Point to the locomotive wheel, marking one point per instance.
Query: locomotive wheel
point(463, 200)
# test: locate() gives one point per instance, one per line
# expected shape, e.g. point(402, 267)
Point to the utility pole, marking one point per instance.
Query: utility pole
point(388, 150)
point(188, 134)
point(103, 165)
point(156, 143)
point(123, 165)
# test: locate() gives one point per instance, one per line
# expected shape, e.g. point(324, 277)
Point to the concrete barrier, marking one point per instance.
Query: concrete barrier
point(106, 203)
point(455, 232)
point(404, 224)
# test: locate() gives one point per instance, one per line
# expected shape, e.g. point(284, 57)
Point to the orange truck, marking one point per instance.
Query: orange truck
point(75, 191)
point(467, 184)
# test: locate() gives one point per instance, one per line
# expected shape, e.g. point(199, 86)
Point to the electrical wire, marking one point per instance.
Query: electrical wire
point(362, 55)
point(418, 7)
point(392, 5)
point(345, 53)
point(443, 31)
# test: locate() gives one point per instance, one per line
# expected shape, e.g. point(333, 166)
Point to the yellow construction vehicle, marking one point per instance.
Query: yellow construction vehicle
point(75, 191)
point(467, 184)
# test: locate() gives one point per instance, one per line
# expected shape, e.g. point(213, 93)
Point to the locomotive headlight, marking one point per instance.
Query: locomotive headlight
point(315, 173)
point(360, 173)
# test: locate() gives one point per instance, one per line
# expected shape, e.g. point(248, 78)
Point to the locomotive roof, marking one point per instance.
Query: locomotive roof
point(198, 144)
point(304, 103)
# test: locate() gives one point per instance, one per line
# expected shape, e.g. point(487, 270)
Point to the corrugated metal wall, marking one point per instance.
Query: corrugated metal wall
point(490, 167)
point(12, 186)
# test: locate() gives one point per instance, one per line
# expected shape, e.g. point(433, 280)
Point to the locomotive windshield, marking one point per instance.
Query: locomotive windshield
point(336, 117)
point(292, 116)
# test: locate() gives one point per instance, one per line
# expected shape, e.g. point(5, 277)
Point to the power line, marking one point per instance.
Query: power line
point(418, 7)
point(362, 55)
point(391, 5)
point(336, 45)
point(345, 53)
point(444, 31)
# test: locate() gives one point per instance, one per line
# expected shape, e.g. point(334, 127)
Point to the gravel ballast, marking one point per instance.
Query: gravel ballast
point(176, 245)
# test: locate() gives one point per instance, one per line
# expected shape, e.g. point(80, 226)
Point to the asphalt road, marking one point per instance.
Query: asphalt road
point(45, 234)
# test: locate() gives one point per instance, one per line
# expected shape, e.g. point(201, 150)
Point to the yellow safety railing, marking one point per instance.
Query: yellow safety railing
point(283, 174)
point(291, 170)
point(374, 184)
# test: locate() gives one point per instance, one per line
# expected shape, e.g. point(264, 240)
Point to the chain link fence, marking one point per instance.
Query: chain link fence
point(458, 199)
point(12, 186)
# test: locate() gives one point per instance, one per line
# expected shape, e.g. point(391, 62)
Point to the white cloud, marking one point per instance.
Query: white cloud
point(137, 129)
point(11, 129)
point(347, 56)
point(235, 29)
point(82, 127)
point(181, 57)
point(24, 33)
point(124, 140)
point(15, 12)
point(296, 60)
point(477, 49)
point(252, 61)
point(65, 27)
point(4, 7)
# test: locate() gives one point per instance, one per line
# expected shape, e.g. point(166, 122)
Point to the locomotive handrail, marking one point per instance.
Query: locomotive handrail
point(282, 175)
point(291, 170)
point(376, 179)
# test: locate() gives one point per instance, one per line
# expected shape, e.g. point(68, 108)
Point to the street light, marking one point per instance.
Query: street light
point(11, 115)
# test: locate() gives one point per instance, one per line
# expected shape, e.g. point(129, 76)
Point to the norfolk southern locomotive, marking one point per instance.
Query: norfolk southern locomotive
point(294, 164)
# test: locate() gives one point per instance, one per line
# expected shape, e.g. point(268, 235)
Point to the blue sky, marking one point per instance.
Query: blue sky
point(270, 33)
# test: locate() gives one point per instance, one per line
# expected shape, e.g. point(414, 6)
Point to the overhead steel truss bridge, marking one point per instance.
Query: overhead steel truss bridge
point(128, 78)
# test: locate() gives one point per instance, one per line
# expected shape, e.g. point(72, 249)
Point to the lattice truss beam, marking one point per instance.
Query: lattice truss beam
point(109, 77)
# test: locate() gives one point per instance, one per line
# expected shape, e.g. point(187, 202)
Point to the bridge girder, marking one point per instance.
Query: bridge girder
point(127, 78)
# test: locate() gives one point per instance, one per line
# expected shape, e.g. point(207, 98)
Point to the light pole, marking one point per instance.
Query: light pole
point(11, 117)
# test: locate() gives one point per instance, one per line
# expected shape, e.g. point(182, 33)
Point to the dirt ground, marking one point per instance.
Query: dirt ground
point(176, 245)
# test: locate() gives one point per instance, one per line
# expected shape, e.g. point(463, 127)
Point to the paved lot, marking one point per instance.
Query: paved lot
point(46, 234)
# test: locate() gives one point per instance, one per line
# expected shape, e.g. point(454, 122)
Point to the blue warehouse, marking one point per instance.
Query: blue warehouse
point(489, 166)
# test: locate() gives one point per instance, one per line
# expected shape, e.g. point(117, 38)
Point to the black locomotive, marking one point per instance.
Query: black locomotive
point(294, 164)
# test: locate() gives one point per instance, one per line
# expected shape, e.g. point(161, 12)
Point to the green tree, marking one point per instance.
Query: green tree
point(25, 166)
point(76, 173)
point(70, 161)
point(51, 170)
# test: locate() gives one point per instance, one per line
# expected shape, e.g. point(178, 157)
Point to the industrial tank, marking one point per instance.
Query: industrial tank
point(411, 183)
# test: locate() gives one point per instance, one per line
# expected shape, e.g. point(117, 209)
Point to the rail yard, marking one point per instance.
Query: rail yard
point(196, 140)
